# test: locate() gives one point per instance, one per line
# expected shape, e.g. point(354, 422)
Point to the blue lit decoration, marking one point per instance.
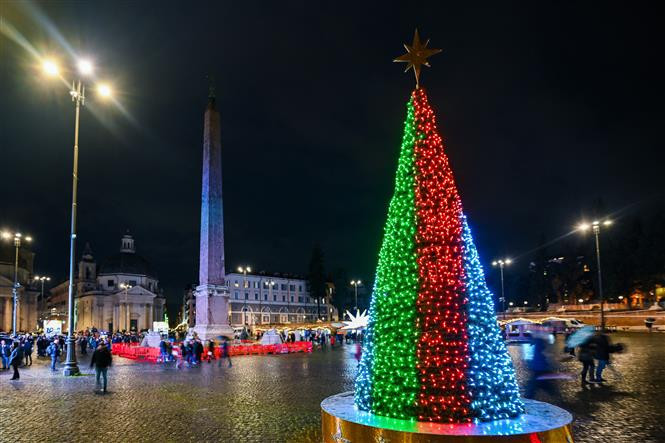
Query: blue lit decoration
point(490, 377)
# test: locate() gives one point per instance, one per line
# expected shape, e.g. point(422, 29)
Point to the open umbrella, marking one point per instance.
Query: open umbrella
point(580, 336)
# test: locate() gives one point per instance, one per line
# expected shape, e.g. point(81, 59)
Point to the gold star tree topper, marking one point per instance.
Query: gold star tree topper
point(416, 56)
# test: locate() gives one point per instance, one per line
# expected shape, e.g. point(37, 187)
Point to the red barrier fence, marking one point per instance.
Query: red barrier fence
point(136, 352)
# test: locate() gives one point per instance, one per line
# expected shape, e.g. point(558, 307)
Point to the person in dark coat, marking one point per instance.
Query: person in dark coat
point(53, 351)
point(83, 344)
point(184, 357)
point(585, 356)
point(603, 349)
point(15, 359)
point(211, 351)
point(101, 359)
point(224, 351)
point(163, 351)
point(198, 351)
point(27, 352)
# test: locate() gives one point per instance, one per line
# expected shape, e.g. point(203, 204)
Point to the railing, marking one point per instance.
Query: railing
point(136, 352)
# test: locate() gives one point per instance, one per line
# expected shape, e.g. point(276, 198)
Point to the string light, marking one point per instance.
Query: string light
point(432, 349)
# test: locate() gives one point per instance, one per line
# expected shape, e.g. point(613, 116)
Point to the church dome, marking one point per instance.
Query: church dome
point(126, 261)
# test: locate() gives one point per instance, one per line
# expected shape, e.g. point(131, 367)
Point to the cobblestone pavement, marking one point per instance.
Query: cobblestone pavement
point(276, 399)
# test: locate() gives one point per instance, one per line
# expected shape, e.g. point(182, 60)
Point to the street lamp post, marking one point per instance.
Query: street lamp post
point(17, 245)
point(77, 93)
point(501, 264)
point(244, 270)
point(595, 227)
point(41, 279)
point(355, 284)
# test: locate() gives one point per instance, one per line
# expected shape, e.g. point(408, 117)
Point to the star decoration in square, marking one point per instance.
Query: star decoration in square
point(416, 56)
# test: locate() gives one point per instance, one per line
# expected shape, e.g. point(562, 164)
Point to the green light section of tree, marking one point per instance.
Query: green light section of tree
point(394, 378)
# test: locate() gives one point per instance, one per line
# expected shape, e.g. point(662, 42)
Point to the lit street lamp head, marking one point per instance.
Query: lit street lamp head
point(104, 90)
point(50, 68)
point(85, 67)
point(583, 226)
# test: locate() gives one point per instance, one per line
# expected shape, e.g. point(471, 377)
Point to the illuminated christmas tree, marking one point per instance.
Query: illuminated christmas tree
point(432, 349)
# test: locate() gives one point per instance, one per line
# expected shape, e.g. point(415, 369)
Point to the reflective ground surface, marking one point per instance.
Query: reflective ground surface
point(276, 399)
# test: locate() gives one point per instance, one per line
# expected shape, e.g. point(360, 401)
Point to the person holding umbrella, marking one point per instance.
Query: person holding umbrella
point(583, 340)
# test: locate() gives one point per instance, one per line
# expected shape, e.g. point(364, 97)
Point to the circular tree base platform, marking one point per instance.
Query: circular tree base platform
point(342, 422)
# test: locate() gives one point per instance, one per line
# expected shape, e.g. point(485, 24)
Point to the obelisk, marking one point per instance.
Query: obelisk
point(212, 293)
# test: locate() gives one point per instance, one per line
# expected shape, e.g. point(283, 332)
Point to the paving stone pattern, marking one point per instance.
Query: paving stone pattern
point(276, 399)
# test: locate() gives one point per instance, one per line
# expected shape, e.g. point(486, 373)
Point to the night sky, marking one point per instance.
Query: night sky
point(544, 108)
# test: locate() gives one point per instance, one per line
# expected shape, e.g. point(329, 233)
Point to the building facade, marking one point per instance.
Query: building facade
point(28, 294)
point(122, 294)
point(261, 299)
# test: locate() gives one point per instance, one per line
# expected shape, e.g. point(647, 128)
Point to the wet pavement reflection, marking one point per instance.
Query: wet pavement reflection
point(276, 399)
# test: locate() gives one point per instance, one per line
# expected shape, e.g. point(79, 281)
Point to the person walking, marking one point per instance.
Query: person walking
point(211, 351)
point(27, 352)
point(198, 351)
point(585, 356)
point(163, 351)
point(5, 352)
point(541, 370)
point(224, 353)
point(53, 351)
point(15, 359)
point(603, 349)
point(101, 359)
point(184, 357)
point(83, 344)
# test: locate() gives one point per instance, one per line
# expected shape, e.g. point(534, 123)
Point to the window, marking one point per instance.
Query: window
point(283, 297)
point(283, 318)
point(274, 297)
point(292, 288)
point(110, 283)
point(265, 297)
point(283, 287)
point(236, 295)
point(256, 296)
point(256, 285)
point(292, 299)
point(246, 295)
point(300, 288)
point(299, 299)
point(309, 299)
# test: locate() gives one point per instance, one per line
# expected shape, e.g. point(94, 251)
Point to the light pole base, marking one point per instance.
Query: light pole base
point(70, 370)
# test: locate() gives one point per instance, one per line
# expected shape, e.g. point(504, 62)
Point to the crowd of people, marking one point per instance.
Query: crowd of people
point(16, 352)
point(193, 352)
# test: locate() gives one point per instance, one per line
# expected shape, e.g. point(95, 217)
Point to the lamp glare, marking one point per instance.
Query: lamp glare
point(85, 67)
point(104, 90)
point(50, 68)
